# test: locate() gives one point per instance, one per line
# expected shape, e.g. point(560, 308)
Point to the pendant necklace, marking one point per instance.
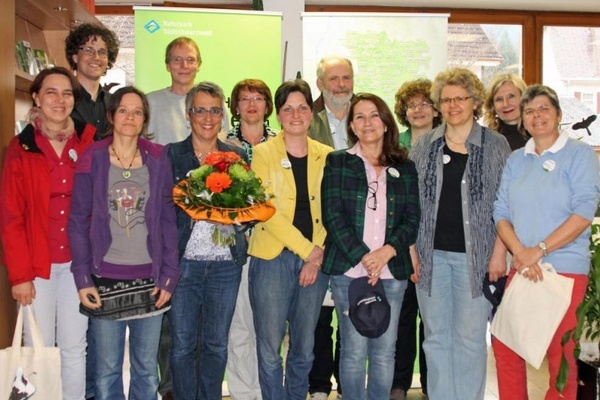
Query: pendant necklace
point(200, 156)
point(126, 171)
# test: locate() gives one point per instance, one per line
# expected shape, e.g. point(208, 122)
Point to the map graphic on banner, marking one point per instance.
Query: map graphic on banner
point(234, 45)
point(386, 49)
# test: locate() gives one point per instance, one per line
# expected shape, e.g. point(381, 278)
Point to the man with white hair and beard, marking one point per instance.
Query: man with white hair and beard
point(335, 80)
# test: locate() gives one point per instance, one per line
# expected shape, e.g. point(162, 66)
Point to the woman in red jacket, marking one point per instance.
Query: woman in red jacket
point(35, 196)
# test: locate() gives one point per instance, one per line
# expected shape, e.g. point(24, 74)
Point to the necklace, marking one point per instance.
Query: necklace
point(453, 141)
point(126, 171)
point(200, 155)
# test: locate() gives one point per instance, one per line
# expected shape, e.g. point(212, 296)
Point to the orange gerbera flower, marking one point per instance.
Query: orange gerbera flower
point(222, 160)
point(218, 181)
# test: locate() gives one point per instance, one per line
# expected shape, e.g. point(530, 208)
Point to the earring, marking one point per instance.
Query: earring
point(188, 124)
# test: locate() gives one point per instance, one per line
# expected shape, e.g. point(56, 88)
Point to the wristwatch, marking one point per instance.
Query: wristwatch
point(544, 248)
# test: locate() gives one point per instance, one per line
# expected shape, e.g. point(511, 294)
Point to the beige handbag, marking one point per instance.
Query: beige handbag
point(530, 313)
point(31, 373)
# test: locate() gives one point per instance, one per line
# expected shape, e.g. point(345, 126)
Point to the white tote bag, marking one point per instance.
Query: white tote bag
point(530, 314)
point(31, 373)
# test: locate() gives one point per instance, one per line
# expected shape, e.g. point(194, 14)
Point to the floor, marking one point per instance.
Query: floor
point(537, 381)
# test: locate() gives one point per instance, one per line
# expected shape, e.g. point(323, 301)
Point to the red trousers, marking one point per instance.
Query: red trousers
point(512, 374)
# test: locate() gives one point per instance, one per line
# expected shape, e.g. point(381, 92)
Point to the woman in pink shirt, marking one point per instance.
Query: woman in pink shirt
point(371, 213)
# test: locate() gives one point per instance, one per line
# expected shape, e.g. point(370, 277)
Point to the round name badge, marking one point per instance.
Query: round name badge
point(73, 155)
point(394, 173)
point(285, 163)
point(446, 159)
point(549, 165)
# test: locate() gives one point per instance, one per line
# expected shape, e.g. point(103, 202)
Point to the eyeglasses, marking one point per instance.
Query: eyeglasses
point(423, 106)
point(502, 99)
point(248, 100)
point(372, 199)
point(181, 60)
point(541, 110)
point(446, 101)
point(301, 109)
point(202, 112)
point(92, 52)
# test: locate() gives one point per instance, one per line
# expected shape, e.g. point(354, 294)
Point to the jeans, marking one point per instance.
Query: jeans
point(406, 343)
point(357, 349)
point(204, 299)
point(455, 331)
point(242, 362)
point(90, 364)
point(277, 297)
point(144, 334)
point(56, 307)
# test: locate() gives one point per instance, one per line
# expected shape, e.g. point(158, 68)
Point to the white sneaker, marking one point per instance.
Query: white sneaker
point(318, 396)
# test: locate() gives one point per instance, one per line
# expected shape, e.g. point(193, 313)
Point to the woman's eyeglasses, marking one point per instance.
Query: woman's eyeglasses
point(423, 106)
point(372, 199)
point(446, 101)
point(201, 111)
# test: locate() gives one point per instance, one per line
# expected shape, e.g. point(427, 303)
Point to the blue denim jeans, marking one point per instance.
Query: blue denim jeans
point(144, 334)
point(276, 298)
point(455, 331)
point(357, 349)
point(204, 299)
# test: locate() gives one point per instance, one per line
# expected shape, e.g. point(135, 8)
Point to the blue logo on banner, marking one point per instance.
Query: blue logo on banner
point(152, 26)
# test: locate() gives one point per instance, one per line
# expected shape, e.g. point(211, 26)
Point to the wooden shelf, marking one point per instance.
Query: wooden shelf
point(23, 81)
point(53, 15)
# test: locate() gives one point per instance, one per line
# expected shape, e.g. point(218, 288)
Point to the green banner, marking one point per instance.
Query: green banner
point(234, 45)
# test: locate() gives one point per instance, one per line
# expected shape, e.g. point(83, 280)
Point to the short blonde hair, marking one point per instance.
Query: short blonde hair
point(459, 77)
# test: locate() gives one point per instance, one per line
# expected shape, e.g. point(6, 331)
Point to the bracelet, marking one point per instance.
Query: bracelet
point(316, 264)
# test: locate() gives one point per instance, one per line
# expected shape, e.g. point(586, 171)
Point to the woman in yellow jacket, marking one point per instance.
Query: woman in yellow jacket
point(286, 282)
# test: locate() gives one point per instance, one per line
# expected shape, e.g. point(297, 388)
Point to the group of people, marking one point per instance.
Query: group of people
point(89, 229)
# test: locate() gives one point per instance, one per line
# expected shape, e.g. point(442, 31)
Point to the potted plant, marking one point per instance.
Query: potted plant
point(588, 316)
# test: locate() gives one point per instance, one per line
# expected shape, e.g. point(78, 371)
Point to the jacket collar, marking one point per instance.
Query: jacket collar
point(27, 136)
point(475, 137)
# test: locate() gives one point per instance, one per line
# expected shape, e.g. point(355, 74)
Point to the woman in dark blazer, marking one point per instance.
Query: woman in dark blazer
point(371, 213)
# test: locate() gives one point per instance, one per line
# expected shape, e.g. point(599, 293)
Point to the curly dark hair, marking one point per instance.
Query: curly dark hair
point(84, 32)
point(408, 90)
point(392, 152)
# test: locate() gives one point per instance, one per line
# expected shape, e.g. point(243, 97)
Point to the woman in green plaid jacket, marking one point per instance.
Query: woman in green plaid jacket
point(371, 213)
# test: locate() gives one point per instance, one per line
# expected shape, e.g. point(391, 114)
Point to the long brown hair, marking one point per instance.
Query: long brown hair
point(392, 152)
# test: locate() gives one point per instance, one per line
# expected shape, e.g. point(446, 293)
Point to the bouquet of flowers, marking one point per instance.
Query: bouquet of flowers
point(223, 190)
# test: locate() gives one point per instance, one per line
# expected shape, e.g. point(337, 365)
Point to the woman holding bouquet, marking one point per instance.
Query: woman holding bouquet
point(286, 282)
point(35, 199)
point(211, 273)
point(122, 230)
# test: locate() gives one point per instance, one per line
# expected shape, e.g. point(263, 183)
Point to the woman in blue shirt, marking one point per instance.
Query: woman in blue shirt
point(546, 202)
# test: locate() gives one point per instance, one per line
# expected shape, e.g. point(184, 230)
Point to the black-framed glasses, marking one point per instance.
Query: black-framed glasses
point(201, 111)
point(372, 198)
point(92, 52)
